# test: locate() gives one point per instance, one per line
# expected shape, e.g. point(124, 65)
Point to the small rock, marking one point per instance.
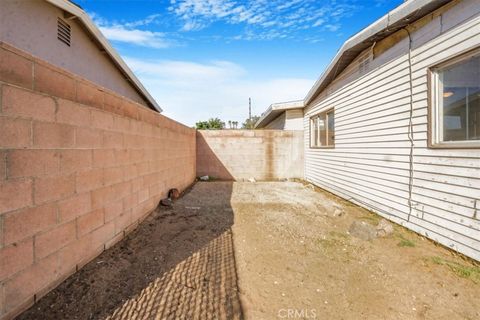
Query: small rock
point(204, 178)
point(363, 230)
point(338, 212)
point(173, 194)
point(252, 180)
point(384, 228)
point(166, 202)
point(310, 186)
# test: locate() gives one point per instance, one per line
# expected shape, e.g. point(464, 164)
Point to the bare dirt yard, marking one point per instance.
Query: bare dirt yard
point(266, 250)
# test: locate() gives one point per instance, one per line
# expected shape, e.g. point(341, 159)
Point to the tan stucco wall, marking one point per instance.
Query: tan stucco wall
point(244, 154)
point(31, 25)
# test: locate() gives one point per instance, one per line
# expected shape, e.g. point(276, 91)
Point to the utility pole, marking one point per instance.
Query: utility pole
point(250, 112)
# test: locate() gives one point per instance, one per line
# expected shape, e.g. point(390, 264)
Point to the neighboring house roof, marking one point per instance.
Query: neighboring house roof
point(275, 110)
point(405, 14)
point(77, 12)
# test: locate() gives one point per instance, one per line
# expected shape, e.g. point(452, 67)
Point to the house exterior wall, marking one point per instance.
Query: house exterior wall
point(31, 25)
point(244, 154)
point(277, 124)
point(370, 164)
point(80, 167)
point(288, 120)
point(294, 119)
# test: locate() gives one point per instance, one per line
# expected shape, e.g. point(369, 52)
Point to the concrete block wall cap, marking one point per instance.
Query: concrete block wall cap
point(56, 83)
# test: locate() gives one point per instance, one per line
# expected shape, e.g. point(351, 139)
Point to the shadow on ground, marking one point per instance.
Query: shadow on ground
point(178, 264)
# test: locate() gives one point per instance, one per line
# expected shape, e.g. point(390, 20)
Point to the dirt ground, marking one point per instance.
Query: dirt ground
point(266, 250)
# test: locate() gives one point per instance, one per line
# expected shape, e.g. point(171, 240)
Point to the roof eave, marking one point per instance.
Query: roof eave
point(396, 19)
point(79, 13)
point(276, 109)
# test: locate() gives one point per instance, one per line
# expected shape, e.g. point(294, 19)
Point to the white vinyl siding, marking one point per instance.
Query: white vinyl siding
point(370, 164)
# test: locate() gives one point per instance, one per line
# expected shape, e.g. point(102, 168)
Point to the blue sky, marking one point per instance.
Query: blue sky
point(205, 58)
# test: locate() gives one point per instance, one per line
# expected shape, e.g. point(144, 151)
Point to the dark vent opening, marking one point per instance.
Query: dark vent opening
point(63, 32)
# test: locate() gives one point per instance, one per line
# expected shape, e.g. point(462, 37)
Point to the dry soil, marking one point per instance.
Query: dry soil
point(266, 250)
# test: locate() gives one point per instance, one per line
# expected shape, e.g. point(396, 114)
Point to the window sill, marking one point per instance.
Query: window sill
point(326, 147)
point(455, 145)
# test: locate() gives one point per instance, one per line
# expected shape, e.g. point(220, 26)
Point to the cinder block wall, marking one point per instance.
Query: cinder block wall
point(79, 167)
point(244, 154)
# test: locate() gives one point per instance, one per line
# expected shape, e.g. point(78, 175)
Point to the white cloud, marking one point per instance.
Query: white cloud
point(135, 36)
point(190, 91)
point(143, 22)
point(289, 4)
point(129, 32)
point(182, 73)
point(283, 16)
point(332, 27)
point(319, 22)
point(192, 26)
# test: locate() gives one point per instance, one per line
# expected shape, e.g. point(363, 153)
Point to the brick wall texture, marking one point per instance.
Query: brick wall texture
point(79, 167)
point(244, 154)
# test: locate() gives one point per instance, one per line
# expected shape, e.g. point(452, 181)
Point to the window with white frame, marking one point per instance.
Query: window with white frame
point(456, 102)
point(322, 130)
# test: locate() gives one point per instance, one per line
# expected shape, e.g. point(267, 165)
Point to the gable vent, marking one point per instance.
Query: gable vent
point(63, 31)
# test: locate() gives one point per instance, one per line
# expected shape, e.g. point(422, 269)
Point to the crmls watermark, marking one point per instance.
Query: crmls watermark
point(291, 313)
